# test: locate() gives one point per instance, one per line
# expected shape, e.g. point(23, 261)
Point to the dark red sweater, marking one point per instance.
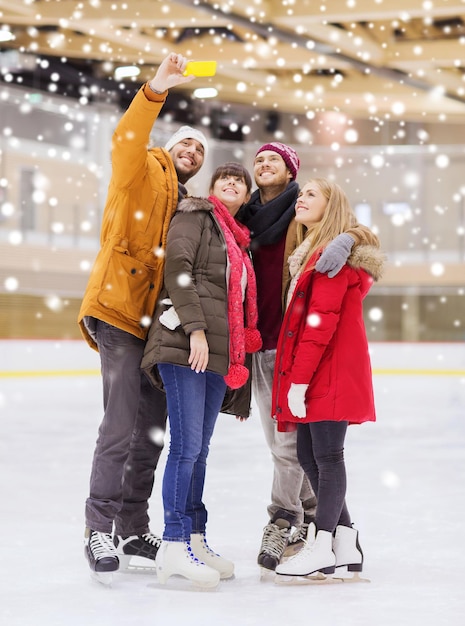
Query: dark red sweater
point(268, 264)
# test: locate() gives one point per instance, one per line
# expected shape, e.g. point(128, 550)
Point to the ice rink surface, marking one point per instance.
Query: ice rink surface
point(406, 494)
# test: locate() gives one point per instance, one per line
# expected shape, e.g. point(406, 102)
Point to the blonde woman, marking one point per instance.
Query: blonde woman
point(323, 379)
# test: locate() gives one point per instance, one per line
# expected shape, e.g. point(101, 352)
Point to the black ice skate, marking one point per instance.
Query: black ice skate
point(275, 537)
point(137, 551)
point(101, 555)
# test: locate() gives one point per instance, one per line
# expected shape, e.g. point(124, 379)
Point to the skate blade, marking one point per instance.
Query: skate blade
point(318, 579)
point(138, 570)
point(266, 574)
point(136, 565)
point(103, 578)
point(354, 578)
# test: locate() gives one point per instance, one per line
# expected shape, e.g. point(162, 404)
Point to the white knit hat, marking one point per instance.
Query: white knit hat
point(187, 132)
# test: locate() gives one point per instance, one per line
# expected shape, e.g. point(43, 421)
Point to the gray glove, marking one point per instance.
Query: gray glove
point(335, 255)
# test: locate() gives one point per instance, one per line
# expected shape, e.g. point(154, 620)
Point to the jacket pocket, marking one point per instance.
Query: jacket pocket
point(126, 285)
point(323, 380)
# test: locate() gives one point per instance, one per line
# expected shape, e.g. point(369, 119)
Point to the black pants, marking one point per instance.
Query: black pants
point(320, 450)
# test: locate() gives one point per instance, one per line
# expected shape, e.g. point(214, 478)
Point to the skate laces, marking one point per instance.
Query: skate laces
point(299, 534)
point(308, 545)
point(101, 545)
point(274, 540)
point(153, 540)
point(207, 547)
point(192, 555)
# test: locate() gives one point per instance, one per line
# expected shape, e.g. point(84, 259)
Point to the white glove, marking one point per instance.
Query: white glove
point(296, 400)
point(169, 317)
point(335, 255)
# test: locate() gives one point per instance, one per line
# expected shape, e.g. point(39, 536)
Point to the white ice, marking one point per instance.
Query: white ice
point(406, 477)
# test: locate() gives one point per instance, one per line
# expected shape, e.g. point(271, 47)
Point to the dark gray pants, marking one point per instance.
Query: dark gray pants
point(290, 491)
point(320, 449)
point(130, 437)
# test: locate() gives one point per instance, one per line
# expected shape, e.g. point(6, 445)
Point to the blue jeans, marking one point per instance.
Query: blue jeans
point(194, 401)
point(320, 449)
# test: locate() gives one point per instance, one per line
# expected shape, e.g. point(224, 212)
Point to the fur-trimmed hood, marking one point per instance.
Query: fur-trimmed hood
point(192, 203)
point(370, 259)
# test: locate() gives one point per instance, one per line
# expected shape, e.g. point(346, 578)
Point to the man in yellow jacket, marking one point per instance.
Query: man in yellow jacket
point(115, 315)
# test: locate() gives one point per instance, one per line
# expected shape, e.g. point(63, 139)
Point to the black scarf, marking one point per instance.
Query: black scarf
point(269, 222)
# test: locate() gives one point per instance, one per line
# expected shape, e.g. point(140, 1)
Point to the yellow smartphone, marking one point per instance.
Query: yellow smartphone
point(200, 68)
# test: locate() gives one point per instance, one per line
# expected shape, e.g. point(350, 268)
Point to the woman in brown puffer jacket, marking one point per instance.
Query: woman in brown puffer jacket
point(203, 326)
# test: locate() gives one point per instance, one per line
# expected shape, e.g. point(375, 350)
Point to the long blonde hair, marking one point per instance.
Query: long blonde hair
point(338, 218)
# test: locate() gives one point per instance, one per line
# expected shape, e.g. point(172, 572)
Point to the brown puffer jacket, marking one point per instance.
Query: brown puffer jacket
point(142, 196)
point(195, 282)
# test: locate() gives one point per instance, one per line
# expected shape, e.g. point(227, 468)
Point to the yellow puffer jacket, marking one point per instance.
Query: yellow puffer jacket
point(142, 196)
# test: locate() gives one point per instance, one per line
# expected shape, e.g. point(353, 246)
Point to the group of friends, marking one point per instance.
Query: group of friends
point(196, 305)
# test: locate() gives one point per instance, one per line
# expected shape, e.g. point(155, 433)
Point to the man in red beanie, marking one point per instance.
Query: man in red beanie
point(270, 217)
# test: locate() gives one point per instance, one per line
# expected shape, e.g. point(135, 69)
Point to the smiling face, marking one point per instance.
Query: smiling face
point(232, 191)
point(231, 184)
point(271, 172)
point(310, 205)
point(187, 156)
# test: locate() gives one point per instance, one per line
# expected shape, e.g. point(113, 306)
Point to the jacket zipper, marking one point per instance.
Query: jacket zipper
point(223, 238)
point(283, 330)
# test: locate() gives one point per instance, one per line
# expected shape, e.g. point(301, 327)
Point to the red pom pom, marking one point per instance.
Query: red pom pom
point(253, 340)
point(236, 376)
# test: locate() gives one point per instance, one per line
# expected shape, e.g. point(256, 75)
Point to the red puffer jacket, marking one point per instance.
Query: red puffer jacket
point(323, 343)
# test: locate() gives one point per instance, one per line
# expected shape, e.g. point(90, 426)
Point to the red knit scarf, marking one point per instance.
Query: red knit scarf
point(243, 334)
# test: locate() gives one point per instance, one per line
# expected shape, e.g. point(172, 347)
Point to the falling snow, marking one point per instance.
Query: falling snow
point(370, 96)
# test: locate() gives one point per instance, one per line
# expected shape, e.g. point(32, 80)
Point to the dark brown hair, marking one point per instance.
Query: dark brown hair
point(232, 168)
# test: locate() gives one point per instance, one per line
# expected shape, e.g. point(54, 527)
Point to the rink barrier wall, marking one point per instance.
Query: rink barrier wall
point(78, 373)
point(73, 358)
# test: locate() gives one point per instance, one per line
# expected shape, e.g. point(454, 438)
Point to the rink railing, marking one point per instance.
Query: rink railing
point(74, 358)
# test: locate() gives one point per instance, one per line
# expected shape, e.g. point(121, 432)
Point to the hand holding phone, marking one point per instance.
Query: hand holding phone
point(200, 68)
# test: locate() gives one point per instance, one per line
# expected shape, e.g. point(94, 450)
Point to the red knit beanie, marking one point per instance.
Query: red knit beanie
point(288, 154)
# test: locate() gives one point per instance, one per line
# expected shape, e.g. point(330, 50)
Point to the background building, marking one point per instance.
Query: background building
point(370, 95)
